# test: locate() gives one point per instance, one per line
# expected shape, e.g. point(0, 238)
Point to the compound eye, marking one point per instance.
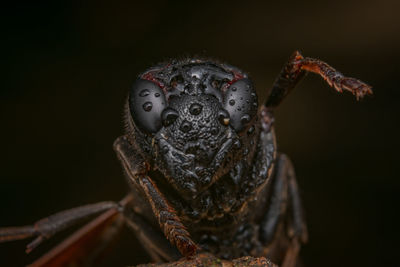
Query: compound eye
point(146, 103)
point(240, 101)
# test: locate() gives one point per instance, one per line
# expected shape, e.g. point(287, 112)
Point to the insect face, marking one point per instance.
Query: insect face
point(193, 117)
point(202, 164)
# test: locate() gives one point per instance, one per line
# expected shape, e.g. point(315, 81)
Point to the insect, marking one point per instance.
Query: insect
point(200, 156)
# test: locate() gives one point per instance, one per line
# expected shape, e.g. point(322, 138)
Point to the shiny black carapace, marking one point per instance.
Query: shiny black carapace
point(200, 156)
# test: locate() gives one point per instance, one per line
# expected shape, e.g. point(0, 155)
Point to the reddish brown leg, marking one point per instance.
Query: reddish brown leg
point(152, 239)
point(165, 214)
point(169, 222)
point(87, 245)
point(47, 227)
point(296, 68)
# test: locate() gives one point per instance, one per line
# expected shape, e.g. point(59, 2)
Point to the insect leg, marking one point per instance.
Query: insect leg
point(296, 68)
point(285, 206)
point(298, 227)
point(152, 239)
point(86, 246)
point(285, 199)
point(277, 204)
point(173, 228)
point(136, 170)
point(47, 227)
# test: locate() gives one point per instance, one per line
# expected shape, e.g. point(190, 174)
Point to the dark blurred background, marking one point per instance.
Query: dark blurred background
point(66, 69)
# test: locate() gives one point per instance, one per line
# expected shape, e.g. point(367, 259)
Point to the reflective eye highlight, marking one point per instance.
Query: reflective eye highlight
point(146, 103)
point(240, 101)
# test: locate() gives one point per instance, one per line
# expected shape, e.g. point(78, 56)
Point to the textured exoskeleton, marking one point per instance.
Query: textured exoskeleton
point(200, 156)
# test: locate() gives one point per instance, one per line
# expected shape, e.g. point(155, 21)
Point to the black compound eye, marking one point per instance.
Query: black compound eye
point(240, 101)
point(146, 103)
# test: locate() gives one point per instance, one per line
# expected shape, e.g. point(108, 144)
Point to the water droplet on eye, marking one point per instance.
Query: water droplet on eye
point(147, 106)
point(157, 94)
point(144, 92)
point(245, 118)
point(234, 89)
point(232, 102)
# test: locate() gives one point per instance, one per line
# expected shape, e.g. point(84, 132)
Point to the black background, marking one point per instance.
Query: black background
point(66, 70)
